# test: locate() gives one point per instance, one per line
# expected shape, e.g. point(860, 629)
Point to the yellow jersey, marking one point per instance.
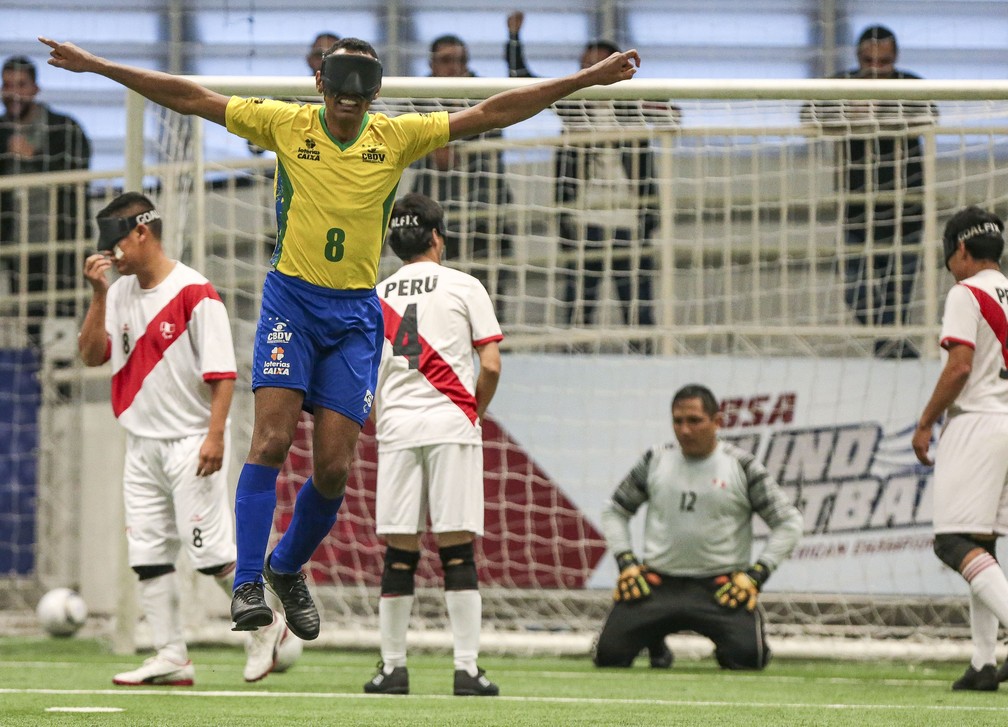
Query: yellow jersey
point(333, 200)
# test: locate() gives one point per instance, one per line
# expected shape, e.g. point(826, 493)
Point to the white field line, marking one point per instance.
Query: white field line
point(134, 691)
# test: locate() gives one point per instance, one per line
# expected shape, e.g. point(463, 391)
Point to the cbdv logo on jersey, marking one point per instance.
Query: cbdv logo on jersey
point(279, 334)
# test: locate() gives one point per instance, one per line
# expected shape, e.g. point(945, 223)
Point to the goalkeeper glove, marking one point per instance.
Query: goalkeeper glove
point(741, 587)
point(635, 581)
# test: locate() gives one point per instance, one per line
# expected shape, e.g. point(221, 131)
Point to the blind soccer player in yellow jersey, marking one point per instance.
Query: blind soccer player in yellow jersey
point(320, 331)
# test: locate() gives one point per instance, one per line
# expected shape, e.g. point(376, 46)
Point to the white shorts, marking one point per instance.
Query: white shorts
point(442, 480)
point(971, 475)
point(168, 506)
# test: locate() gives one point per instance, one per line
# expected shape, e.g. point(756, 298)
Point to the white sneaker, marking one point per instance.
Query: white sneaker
point(291, 648)
point(158, 671)
point(262, 647)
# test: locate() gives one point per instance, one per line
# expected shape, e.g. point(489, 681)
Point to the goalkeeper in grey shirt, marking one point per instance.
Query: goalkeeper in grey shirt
point(697, 572)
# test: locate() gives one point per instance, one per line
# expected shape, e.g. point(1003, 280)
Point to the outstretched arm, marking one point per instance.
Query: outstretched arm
point(518, 104)
point(172, 92)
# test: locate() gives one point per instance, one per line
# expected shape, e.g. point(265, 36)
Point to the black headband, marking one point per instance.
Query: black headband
point(112, 229)
point(412, 219)
point(987, 229)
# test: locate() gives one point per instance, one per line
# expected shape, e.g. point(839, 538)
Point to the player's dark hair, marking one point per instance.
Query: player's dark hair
point(708, 402)
point(982, 233)
point(877, 33)
point(23, 64)
point(449, 39)
point(607, 46)
point(414, 219)
point(353, 45)
point(129, 204)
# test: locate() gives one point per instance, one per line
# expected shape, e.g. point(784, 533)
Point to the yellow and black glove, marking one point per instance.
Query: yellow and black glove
point(741, 588)
point(635, 581)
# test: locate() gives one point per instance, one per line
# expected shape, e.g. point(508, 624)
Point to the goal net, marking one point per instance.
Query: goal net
point(778, 243)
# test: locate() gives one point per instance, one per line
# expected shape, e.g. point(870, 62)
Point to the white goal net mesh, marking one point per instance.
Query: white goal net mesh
point(783, 252)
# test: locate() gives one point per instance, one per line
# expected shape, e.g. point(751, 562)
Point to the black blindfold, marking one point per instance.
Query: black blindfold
point(112, 229)
point(348, 73)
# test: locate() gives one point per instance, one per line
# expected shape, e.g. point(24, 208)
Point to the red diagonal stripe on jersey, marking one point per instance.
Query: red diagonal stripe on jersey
point(434, 368)
point(150, 347)
point(995, 316)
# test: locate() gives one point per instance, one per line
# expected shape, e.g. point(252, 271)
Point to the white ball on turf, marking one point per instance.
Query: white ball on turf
point(61, 612)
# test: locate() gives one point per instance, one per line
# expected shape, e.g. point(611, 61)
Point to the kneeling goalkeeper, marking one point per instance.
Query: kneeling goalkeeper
point(697, 572)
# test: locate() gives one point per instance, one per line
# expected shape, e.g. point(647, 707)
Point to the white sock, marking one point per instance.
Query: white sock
point(159, 601)
point(225, 580)
point(465, 611)
point(984, 631)
point(988, 583)
point(393, 622)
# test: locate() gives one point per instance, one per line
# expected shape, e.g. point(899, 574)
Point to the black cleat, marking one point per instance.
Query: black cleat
point(394, 682)
point(299, 609)
point(1002, 672)
point(660, 656)
point(248, 608)
point(477, 686)
point(984, 680)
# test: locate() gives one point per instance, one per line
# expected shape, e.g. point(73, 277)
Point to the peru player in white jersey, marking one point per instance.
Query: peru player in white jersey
point(427, 412)
point(971, 458)
point(166, 332)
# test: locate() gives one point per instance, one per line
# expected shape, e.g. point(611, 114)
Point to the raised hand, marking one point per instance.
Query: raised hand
point(514, 22)
point(617, 67)
point(69, 57)
point(95, 268)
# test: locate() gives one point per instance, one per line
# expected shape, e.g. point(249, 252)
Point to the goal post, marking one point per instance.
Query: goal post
point(734, 273)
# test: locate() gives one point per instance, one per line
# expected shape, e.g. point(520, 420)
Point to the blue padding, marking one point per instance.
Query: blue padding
point(20, 400)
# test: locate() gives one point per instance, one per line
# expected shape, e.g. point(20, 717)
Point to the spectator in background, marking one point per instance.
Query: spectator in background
point(883, 180)
point(34, 138)
point(470, 187)
point(322, 43)
point(697, 572)
point(607, 195)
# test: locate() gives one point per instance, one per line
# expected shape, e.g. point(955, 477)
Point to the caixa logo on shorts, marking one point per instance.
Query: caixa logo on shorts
point(276, 366)
point(279, 334)
point(368, 401)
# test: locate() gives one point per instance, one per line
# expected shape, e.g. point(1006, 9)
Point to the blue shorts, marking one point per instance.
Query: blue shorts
point(324, 342)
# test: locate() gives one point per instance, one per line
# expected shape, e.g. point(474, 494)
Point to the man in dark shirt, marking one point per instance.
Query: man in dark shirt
point(883, 179)
point(34, 138)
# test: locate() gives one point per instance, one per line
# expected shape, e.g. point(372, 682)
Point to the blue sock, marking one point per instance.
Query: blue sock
point(314, 516)
point(255, 502)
